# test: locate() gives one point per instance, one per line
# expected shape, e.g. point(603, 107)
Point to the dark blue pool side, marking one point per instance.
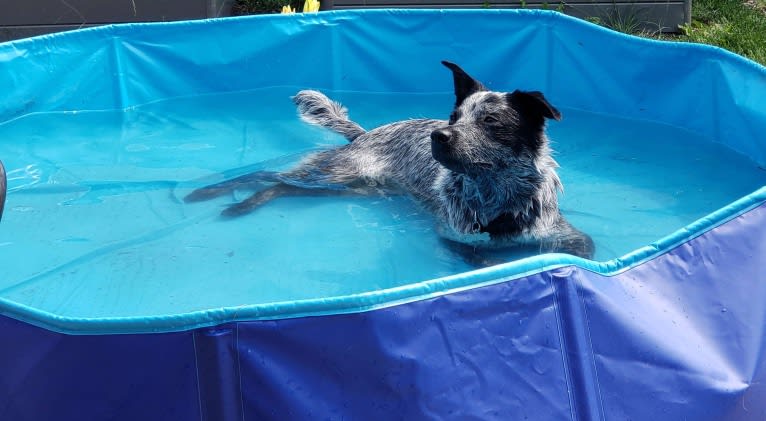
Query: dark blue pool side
point(678, 337)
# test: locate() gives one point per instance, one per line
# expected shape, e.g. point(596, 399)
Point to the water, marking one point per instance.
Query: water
point(95, 225)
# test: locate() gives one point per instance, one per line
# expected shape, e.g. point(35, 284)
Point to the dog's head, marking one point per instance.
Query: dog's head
point(491, 130)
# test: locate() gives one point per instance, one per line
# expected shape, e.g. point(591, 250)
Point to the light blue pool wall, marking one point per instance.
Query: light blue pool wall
point(610, 76)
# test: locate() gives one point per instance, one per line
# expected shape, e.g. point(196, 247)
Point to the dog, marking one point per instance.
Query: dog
point(486, 175)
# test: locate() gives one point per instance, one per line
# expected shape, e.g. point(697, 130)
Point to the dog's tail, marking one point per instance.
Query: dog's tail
point(315, 108)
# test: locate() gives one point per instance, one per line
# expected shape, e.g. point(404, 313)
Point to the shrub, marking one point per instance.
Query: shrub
point(251, 7)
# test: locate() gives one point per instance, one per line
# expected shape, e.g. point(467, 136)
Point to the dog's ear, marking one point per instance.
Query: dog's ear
point(465, 85)
point(534, 104)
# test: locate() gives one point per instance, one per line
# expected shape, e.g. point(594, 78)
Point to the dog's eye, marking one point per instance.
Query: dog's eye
point(452, 118)
point(490, 119)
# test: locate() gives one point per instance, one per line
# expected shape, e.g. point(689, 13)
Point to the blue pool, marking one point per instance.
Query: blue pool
point(119, 301)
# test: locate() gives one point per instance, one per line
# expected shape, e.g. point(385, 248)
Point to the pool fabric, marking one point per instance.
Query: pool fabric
point(672, 331)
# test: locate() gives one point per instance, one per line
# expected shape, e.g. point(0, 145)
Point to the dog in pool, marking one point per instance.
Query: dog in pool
point(486, 175)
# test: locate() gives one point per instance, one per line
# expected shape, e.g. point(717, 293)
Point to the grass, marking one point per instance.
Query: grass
point(736, 25)
point(622, 21)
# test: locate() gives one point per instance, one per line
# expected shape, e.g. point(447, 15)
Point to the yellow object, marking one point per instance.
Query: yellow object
point(311, 6)
point(287, 9)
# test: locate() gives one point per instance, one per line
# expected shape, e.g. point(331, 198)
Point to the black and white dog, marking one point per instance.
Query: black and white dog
point(486, 175)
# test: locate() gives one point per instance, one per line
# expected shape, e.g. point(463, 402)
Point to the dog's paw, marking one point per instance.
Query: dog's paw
point(236, 210)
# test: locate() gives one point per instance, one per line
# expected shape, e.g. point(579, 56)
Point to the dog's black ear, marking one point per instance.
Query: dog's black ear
point(534, 104)
point(465, 85)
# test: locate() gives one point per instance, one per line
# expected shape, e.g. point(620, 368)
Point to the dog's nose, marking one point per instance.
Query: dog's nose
point(440, 136)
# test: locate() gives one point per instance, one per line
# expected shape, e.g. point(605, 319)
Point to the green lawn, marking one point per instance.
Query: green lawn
point(736, 25)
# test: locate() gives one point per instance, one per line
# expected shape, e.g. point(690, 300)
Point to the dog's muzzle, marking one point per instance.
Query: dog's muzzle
point(440, 136)
point(442, 150)
point(440, 140)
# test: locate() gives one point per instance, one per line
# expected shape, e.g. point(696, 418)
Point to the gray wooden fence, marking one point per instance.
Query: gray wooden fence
point(24, 18)
point(624, 15)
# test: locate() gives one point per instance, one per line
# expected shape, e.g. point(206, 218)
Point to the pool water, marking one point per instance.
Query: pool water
point(95, 225)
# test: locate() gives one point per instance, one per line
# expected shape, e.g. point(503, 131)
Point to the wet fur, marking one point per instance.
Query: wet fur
point(487, 174)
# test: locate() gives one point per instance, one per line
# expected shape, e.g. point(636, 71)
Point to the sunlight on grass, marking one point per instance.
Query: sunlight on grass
point(736, 25)
point(731, 24)
point(759, 5)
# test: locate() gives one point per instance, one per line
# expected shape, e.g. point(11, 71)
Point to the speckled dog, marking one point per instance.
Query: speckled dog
point(486, 175)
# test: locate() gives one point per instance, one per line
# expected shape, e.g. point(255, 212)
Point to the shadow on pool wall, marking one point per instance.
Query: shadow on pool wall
point(672, 331)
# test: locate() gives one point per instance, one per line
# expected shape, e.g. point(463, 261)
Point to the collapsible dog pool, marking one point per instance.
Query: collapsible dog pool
point(120, 301)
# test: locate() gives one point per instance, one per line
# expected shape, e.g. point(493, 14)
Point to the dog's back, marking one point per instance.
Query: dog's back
point(396, 156)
